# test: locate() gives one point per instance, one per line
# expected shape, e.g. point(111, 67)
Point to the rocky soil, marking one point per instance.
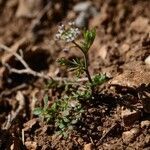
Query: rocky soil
point(120, 116)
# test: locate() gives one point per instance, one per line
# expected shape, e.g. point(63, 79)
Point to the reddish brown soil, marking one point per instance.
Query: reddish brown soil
point(122, 44)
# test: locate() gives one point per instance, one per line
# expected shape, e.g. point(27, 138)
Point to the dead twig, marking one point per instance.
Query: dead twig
point(30, 71)
point(109, 130)
point(27, 69)
point(14, 114)
point(13, 48)
point(10, 91)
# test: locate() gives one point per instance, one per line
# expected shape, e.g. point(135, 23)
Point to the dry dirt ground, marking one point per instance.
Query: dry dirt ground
point(121, 50)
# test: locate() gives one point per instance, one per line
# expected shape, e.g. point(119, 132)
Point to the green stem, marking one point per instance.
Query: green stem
point(85, 63)
point(78, 46)
point(86, 68)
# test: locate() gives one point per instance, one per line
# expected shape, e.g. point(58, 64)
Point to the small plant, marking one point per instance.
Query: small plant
point(45, 113)
point(65, 112)
point(69, 34)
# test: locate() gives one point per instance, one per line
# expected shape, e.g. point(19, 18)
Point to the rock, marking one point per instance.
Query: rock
point(137, 79)
point(88, 146)
point(132, 78)
point(82, 20)
point(82, 6)
point(147, 139)
point(31, 145)
point(129, 136)
point(28, 8)
point(145, 124)
point(85, 10)
point(130, 116)
point(147, 60)
point(135, 131)
point(141, 24)
point(124, 48)
point(103, 52)
point(80, 141)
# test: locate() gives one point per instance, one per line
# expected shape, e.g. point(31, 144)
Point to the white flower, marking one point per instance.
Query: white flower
point(67, 33)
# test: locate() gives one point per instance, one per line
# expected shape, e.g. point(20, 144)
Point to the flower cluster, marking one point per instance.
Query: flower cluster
point(67, 33)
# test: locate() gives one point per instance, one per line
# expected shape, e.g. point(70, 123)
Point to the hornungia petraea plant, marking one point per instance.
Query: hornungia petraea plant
point(67, 111)
point(69, 34)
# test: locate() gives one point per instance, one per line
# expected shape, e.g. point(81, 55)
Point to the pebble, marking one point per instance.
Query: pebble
point(130, 116)
point(85, 10)
point(88, 146)
point(82, 6)
point(145, 124)
point(82, 20)
point(124, 48)
point(147, 60)
point(31, 145)
point(103, 52)
point(129, 136)
point(147, 139)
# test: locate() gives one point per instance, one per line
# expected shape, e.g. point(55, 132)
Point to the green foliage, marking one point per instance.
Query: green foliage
point(68, 116)
point(44, 112)
point(88, 39)
point(83, 94)
point(64, 113)
point(76, 65)
point(51, 84)
point(99, 79)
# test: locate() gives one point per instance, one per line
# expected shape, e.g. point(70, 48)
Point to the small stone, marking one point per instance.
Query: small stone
point(103, 52)
point(82, 6)
point(80, 140)
point(130, 116)
point(124, 48)
point(147, 60)
point(145, 124)
point(147, 139)
point(135, 131)
point(31, 145)
point(82, 20)
point(129, 136)
point(99, 128)
point(88, 146)
point(85, 10)
point(141, 24)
